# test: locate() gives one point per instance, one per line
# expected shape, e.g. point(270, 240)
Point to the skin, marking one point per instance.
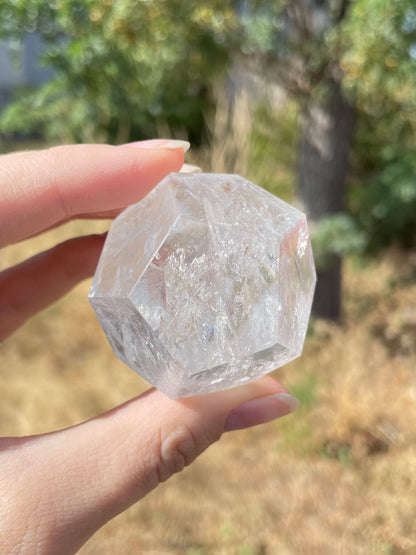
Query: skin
point(57, 489)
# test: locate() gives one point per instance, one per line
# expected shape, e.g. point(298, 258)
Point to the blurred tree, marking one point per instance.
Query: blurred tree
point(347, 63)
point(378, 45)
point(297, 52)
point(123, 69)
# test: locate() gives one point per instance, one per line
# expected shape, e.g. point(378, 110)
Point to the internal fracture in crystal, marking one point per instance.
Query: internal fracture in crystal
point(205, 284)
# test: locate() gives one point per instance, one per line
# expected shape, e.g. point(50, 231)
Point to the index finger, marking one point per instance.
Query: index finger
point(39, 189)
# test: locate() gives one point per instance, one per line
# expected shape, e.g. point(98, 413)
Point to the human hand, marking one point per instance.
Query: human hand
point(57, 489)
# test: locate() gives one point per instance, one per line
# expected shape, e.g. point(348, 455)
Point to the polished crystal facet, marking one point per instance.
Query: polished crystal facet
point(205, 284)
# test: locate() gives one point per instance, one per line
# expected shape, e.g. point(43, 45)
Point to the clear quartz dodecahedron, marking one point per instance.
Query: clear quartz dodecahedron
point(205, 284)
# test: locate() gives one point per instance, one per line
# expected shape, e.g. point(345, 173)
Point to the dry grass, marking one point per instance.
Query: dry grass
point(338, 477)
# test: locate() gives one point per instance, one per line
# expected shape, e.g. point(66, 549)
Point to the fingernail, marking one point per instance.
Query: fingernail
point(189, 168)
point(159, 143)
point(260, 411)
point(184, 145)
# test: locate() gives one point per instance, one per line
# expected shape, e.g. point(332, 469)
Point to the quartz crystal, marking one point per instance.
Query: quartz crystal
point(205, 284)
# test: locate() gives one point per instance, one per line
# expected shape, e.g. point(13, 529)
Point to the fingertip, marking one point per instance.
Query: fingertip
point(221, 403)
point(260, 411)
point(160, 144)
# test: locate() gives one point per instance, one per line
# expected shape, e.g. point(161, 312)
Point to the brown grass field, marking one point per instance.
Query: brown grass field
point(337, 477)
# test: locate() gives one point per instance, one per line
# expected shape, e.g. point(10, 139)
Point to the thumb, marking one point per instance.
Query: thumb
point(61, 487)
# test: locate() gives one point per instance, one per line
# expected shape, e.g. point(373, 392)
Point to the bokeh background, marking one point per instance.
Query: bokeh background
point(314, 100)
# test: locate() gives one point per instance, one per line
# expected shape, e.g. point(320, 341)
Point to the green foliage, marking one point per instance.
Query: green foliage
point(377, 47)
point(383, 198)
point(261, 29)
point(379, 62)
point(370, 48)
point(336, 235)
point(122, 68)
point(340, 452)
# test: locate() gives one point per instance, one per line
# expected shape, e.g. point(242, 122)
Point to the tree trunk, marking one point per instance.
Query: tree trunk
point(326, 134)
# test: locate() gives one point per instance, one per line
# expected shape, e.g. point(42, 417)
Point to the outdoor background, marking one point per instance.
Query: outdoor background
point(314, 100)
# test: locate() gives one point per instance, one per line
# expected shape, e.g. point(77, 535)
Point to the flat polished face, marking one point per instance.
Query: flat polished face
point(205, 284)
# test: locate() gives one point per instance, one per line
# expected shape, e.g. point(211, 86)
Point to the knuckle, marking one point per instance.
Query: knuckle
point(180, 448)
